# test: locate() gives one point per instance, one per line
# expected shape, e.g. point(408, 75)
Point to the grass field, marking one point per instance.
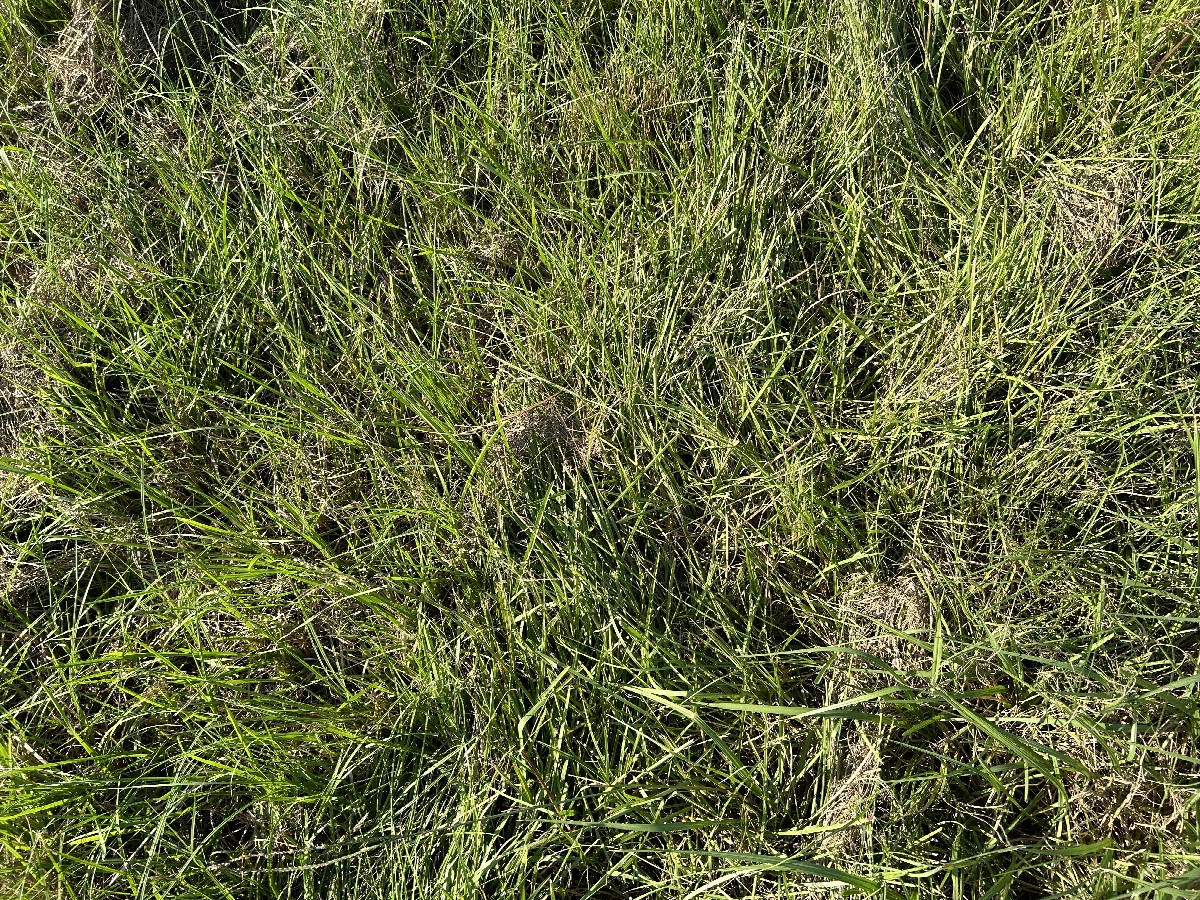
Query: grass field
point(599, 449)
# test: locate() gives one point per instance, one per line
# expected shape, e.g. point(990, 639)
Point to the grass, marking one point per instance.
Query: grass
point(593, 449)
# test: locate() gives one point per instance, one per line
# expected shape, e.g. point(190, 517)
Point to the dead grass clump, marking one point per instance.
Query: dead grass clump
point(540, 443)
point(539, 432)
point(99, 38)
point(20, 498)
point(17, 579)
point(1142, 800)
point(1096, 210)
point(73, 276)
point(530, 450)
point(80, 64)
point(21, 412)
point(856, 789)
point(880, 613)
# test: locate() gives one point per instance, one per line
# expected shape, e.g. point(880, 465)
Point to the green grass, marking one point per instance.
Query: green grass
point(598, 449)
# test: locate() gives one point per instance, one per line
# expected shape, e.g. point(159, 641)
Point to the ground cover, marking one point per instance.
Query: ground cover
point(563, 449)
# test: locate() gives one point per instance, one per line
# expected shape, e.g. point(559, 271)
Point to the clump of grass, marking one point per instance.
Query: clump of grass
point(598, 449)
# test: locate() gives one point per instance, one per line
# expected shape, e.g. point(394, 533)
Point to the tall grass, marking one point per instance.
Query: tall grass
point(580, 448)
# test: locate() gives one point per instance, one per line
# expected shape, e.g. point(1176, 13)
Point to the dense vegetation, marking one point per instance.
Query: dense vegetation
point(596, 449)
